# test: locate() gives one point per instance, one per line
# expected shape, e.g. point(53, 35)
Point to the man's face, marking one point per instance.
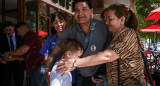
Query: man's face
point(20, 31)
point(9, 30)
point(82, 13)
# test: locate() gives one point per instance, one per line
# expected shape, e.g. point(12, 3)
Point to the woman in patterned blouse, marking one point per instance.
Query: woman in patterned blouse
point(122, 22)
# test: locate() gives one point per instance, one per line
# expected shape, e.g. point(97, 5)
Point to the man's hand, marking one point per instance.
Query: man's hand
point(98, 80)
point(7, 56)
point(47, 74)
point(3, 61)
point(66, 66)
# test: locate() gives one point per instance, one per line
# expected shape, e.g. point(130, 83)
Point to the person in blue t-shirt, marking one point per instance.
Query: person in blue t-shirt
point(58, 26)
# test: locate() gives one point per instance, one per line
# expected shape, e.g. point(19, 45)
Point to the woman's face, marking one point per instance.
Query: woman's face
point(113, 22)
point(59, 24)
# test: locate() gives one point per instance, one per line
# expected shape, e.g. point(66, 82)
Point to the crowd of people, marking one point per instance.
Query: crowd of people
point(81, 49)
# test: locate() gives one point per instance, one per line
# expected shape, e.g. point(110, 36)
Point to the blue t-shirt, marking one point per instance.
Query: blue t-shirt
point(49, 45)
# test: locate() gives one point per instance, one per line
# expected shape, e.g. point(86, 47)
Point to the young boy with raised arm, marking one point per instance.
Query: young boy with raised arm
point(70, 49)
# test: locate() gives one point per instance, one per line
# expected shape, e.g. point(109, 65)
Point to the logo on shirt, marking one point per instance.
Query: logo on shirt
point(93, 48)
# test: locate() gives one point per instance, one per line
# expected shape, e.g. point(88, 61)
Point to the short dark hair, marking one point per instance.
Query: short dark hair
point(7, 23)
point(20, 24)
point(76, 1)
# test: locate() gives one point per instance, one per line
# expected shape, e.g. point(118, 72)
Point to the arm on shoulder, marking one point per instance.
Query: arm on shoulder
point(99, 58)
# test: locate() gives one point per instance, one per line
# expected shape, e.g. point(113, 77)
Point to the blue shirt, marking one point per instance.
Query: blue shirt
point(49, 45)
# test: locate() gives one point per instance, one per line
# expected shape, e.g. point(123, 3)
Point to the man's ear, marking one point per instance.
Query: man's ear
point(91, 12)
point(68, 53)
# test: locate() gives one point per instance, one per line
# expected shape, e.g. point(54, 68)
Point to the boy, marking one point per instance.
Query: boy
point(70, 49)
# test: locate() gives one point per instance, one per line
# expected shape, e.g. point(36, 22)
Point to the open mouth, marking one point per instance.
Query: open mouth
point(60, 29)
point(81, 18)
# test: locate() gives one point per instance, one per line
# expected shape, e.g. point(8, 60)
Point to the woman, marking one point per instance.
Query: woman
point(124, 48)
point(58, 23)
point(58, 26)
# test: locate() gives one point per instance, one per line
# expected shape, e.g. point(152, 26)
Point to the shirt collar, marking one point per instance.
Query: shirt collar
point(92, 26)
point(13, 35)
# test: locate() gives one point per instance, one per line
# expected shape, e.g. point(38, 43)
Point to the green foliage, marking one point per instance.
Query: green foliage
point(68, 4)
point(143, 8)
point(62, 3)
point(31, 19)
point(43, 24)
point(55, 1)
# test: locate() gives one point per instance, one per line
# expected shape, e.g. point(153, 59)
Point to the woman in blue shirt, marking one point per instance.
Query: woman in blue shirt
point(58, 26)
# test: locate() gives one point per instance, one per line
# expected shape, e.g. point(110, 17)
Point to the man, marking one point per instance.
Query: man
point(93, 35)
point(8, 42)
point(31, 52)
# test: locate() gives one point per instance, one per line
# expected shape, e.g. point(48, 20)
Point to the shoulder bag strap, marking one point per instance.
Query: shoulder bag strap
point(145, 62)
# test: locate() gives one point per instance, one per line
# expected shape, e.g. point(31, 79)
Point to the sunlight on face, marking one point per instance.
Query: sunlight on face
point(112, 21)
point(82, 12)
point(59, 24)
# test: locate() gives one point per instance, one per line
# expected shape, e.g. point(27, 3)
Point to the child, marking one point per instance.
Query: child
point(70, 49)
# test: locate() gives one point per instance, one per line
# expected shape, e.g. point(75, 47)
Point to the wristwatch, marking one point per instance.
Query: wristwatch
point(75, 64)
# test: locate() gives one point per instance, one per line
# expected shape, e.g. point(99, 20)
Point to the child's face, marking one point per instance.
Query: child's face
point(75, 55)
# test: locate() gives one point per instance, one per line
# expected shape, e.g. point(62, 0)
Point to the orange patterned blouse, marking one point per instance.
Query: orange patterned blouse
point(131, 61)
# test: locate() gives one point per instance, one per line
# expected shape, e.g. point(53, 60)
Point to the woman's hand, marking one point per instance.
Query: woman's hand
point(98, 80)
point(66, 66)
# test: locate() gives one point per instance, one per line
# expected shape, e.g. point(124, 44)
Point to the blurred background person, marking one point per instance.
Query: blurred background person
point(30, 51)
point(10, 41)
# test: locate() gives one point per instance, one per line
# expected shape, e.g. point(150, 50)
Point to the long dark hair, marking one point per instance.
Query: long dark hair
point(60, 15)
point(131, 20)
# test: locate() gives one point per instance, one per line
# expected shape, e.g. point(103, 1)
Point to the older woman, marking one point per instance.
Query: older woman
point(123, 53)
